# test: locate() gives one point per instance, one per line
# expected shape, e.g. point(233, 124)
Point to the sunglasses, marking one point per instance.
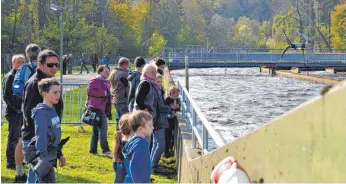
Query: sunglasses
point(51, 65)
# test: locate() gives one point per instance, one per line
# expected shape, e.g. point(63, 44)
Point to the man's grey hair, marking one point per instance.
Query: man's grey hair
point(17, 56)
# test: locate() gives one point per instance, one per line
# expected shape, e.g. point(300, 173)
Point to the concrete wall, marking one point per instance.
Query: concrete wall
point(307, 144)
point(295, 73)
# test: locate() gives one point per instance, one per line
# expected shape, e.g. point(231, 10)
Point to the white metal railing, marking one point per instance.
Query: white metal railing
point(190, 111)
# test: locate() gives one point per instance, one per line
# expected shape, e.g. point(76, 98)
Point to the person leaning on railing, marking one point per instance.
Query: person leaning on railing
point(98, 98)
point(146, 97)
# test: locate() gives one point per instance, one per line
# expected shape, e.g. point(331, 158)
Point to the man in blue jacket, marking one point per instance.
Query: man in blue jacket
point(134, 80)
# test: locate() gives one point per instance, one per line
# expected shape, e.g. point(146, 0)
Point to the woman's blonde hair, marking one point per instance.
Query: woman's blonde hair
point(148, 68)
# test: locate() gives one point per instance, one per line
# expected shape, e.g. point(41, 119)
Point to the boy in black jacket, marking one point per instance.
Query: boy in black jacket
point(172, 121)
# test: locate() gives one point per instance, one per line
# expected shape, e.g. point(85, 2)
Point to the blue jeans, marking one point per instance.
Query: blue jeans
point(159, 144)
point(121, 108)
point(32, 178)
point(120, 172)
point(100, 132)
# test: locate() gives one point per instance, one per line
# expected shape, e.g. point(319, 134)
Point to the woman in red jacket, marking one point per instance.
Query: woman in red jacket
point(99, 98)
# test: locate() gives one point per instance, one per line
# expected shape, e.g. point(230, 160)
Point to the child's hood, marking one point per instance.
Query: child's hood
point(132, 143)
point(40, 106)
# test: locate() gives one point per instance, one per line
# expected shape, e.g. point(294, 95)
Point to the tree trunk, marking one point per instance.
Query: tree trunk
point(28, 23)
point(315, 27)
point(41, 10)
point(12, 42)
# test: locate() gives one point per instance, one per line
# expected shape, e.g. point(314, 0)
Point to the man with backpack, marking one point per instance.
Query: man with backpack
point(26, 70)
point(48, 65)
point(21, 77)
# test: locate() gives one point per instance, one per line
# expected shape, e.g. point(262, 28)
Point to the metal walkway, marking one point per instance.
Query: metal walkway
point(252, 58)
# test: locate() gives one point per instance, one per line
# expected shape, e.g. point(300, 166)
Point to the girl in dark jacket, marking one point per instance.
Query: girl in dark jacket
point(120, 139)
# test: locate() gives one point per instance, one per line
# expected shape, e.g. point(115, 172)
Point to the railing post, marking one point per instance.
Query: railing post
point(169, 57)
point(204, 138)
point(183, 110)
point(80, 128)
point(194, 119)
point(187, 72)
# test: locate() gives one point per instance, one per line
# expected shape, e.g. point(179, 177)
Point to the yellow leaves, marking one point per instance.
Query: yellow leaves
point(157, 42)
point(133, 16)
point(338, 26)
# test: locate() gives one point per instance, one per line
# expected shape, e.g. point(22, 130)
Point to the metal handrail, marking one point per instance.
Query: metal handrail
point(190, 111)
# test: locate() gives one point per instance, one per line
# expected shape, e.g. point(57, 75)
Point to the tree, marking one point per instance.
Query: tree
point(338, 26)
point(157, 42)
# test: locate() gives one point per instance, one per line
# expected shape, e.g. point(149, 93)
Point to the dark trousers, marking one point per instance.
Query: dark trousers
point(94, 65)
point(64, 67)
point(121, 109)
point(100, 133)
point(14, 125)
point(48, 178)
point(170, 134)
point(120, 172)
point(81, 68)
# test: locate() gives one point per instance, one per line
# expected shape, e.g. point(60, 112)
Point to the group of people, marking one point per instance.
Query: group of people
point(94, 62)
point(34, 109)
point(145, 117)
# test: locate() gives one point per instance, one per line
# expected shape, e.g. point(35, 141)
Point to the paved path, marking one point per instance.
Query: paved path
point(72, 78)
point(77, 78)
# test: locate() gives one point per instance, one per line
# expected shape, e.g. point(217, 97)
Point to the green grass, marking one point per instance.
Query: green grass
point(81, 167)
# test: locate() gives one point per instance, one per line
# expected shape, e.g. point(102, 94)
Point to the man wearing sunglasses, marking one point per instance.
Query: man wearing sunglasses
point(47, 67)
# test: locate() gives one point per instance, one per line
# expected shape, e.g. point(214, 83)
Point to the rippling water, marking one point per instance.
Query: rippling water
point(338, 76)
point(239, 100)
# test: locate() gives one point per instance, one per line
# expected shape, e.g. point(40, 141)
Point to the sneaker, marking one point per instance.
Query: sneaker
point(93, 152)
point(168, 155)
point(106, 153)
point(162, 171)
point(20, 179)
point(11, 166)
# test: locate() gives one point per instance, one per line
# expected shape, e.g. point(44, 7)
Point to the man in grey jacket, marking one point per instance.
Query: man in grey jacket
point(120, 88)
point(134, 79)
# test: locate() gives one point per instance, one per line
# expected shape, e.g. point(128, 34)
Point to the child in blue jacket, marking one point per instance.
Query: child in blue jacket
point(47, 131)
point(136, 151)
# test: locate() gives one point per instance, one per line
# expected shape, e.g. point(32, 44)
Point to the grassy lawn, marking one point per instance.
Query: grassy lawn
point(81, 167)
